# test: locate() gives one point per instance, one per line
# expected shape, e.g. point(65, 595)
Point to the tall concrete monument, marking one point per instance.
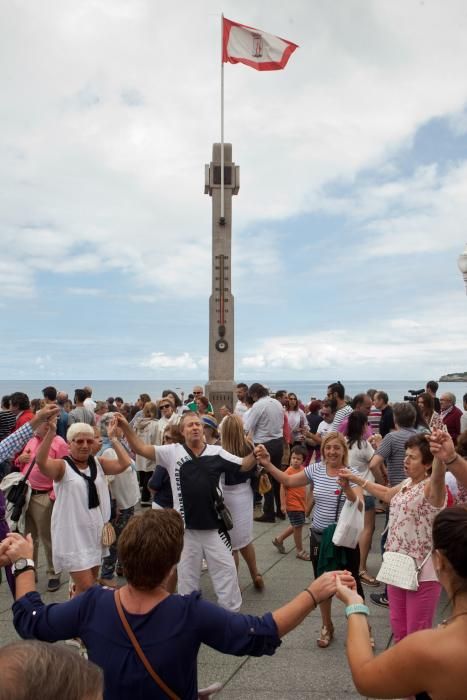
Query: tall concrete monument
point(220, 387)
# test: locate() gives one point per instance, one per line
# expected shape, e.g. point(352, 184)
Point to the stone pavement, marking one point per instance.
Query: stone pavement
point(299, 669)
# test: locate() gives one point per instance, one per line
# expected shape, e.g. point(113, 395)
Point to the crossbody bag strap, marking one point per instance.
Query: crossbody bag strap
point(419, 568)
point(26, 476)
point(170, 694)
point(338, 502)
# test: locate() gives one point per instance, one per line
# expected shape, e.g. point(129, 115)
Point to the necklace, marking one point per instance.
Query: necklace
point(453, 617)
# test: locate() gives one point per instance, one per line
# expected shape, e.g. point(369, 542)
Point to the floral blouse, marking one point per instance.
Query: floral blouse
point(461, 494)
point(411, 518)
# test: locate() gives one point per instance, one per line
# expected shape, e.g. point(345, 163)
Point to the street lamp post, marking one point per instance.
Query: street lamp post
point(462, 263)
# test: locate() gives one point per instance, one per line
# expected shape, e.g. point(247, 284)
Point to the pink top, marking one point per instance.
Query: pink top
point(411, 518)
point(58, 450)
point(343, 429)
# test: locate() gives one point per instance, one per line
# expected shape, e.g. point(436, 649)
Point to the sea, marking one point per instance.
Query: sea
point(130, 389)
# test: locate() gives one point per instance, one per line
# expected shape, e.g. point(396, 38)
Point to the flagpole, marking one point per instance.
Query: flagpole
point(222, 218)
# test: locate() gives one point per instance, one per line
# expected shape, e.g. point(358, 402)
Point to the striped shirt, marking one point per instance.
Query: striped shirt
point(392, 450)
point(326, 492)
point(341, 413)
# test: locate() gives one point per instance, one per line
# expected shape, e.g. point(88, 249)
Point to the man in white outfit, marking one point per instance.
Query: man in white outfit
point(194, 469)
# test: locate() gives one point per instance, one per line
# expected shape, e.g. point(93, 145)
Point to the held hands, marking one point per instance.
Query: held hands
point(345, 593)
point(347, 475)
point(326, 585)
point(113, 428)
point(44, 414)
point(18, 547)
point(441, 445)
point(120, 421)
point(262, 455)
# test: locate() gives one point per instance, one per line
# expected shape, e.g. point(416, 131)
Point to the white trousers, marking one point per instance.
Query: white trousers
point(215, 547)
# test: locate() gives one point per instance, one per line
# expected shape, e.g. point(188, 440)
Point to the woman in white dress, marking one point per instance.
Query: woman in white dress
point(238, 497)
point(82, 505)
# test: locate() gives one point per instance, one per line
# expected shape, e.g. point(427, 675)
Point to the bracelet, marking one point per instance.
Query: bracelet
point(312, 596)
point(356, 608)
point(451, 461)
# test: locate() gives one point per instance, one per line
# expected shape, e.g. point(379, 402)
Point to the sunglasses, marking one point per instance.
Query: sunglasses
point(166, 405)
point(82, 441)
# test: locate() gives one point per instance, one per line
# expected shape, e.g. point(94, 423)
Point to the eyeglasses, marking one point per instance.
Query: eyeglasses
point(83, 441)
point(198, 393)
point(166, 405)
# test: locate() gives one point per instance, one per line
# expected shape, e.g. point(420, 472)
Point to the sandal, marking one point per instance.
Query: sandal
point(304, 556)
point(368, 580)
point(326, 636)
point(278, 545)
point(258, 582)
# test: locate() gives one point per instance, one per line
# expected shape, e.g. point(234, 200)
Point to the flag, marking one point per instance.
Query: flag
point(253, 47)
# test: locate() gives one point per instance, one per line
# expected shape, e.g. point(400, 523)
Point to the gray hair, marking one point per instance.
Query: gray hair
point(451, 397)
point(405, 414)
point(104, 422)
point(31, 669)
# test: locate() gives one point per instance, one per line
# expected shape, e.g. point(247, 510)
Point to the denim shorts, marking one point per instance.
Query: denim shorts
point(296, 517)
point(370, 502)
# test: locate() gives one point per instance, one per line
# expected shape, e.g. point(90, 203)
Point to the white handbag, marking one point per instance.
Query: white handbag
point(400, 570)
point(350, 525)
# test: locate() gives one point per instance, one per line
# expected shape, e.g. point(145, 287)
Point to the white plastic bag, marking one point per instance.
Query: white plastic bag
point(350, 525)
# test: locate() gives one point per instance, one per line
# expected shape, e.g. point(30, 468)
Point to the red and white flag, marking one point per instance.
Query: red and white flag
point(253, 47)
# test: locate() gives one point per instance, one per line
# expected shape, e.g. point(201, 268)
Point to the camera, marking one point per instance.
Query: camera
point(413, 394)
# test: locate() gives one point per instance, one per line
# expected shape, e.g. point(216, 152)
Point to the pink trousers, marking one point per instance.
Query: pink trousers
point(410, 611)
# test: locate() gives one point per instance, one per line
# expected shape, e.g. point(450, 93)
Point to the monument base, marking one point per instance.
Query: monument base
point(220, 392)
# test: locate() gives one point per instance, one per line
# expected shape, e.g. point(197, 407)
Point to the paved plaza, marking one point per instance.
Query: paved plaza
point(299, 670)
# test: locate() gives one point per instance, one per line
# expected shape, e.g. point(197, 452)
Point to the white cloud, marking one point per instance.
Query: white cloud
point(159, 360)
point(84, 291)
point(110, 161)
point(432, 338)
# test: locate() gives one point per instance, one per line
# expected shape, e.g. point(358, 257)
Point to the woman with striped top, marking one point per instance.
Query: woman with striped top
point(330, 492)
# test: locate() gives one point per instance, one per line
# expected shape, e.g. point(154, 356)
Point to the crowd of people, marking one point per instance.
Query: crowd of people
point(91, 468)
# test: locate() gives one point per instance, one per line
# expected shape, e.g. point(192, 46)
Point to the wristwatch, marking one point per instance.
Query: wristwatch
point(21, 565)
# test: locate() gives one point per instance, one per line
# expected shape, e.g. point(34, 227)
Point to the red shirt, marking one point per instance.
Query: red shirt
point(23, 418)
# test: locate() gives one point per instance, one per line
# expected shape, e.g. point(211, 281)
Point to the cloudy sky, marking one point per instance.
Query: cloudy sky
point(350, 218)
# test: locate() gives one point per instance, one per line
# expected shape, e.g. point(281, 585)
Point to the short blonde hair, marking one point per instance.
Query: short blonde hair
point(77, 428)
point(332, 437)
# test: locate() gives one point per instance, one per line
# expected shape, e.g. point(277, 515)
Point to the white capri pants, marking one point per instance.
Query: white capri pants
point(215, 547)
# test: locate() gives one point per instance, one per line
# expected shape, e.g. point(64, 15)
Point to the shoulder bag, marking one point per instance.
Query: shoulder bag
point(400, 570)
point(17, 494)
point(142, 656)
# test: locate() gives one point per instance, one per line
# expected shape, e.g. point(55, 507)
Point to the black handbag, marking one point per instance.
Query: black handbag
point(222, 511)
point(17, 494)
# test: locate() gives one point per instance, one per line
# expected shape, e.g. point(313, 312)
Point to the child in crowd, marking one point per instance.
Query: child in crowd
point(293, 502)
